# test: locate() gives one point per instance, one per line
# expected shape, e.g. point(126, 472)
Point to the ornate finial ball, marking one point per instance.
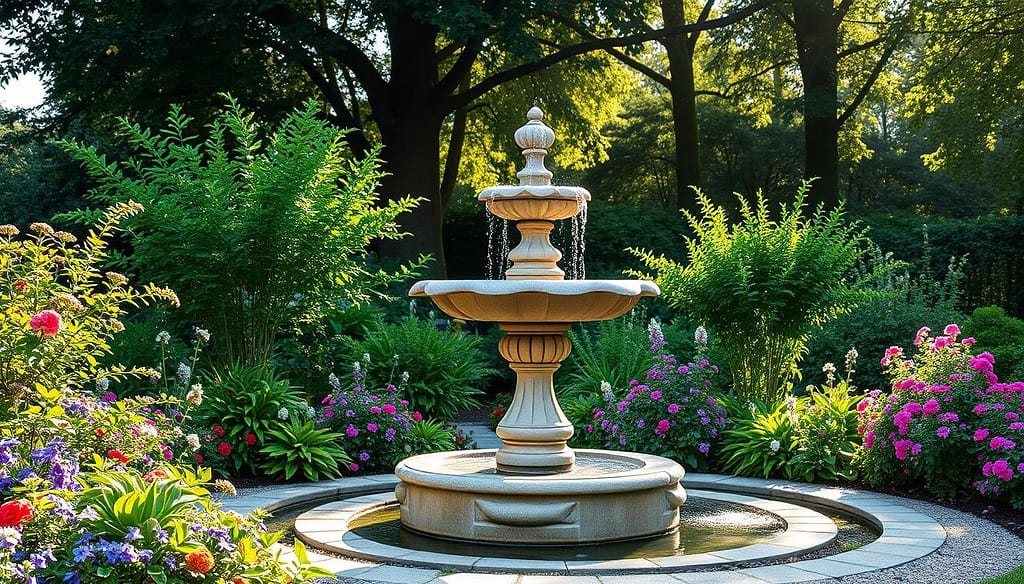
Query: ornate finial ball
point(535, 134)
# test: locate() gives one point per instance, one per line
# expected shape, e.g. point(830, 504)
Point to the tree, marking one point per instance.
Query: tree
point(397, 71)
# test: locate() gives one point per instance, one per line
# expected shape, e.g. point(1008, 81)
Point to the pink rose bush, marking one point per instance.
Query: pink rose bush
point(948, 422)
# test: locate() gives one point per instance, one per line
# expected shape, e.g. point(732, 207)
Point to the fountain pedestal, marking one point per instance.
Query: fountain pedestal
point(535, 489)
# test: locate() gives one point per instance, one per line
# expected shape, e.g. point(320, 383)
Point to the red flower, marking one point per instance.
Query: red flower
point(218, 430)
point(250, 439)
point(239, 580)
point(13, 513)
point(223, 449)
point(199, 458)
point(100, 432)
point(47, 321)
point(199, 562)
point(117, 455)
point(19, 285)
point(155, 474)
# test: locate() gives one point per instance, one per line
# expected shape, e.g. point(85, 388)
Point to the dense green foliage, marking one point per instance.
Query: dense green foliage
point(444, 370)
point(299, 446)
point(763, 285)
point(256, 231)
point(616, 351)
point(1001, 335)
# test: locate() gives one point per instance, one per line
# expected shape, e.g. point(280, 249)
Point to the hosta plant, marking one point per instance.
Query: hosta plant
point(299, 447)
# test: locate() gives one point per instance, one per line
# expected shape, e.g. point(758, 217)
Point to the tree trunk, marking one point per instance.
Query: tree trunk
point(678, 48)
point(817, 42)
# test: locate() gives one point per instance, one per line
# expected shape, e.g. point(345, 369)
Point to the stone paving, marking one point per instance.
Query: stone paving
point(909, 536)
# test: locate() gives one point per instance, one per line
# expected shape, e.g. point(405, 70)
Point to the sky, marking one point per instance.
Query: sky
point(25, 91)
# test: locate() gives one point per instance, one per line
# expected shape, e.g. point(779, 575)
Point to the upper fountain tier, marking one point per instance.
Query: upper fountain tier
point(534, 197)
point(535, 289)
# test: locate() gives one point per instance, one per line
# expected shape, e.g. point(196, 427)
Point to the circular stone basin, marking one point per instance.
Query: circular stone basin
point(533, 301)
point(719, 530)
point(606, 496)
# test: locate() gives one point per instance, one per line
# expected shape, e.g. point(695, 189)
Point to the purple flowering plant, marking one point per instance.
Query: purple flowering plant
point(948, 422)
point(671, 412)
point(375, 422)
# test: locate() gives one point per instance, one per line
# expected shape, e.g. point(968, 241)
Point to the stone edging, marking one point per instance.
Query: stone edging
point(906, 534)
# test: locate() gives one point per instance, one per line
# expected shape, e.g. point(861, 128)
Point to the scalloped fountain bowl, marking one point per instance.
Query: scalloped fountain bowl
point(520, 301)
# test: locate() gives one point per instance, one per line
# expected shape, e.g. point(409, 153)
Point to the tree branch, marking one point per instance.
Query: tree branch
point(875, 72)
point(704, 14)
point(291, 24)
point(861, 47)
point(595, 45)
point(461, 68)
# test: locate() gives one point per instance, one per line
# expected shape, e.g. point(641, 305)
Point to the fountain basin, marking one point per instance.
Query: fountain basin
point(535, 301)
point(606, 496)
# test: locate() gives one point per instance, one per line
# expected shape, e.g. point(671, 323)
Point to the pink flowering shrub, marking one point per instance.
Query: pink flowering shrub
point(948, 423)
point(670, 413)
point(375, 422)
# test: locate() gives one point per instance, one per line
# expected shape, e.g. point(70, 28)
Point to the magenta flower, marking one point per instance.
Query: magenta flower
point(663, 426)
point(869, 439)
point(921, 334)
point(371, 427)
point(980, 409)
point(673, 408)
point(942, 432)
point(913, 408)
point(980, 434)
point(351, 431)
point(374, 410)
point(952, 330)
point(388, 408)
point(1002, 469)
point(1000, 443)
point(931, 407)
point(655, 395)
point(891, 353)
point(903, 448)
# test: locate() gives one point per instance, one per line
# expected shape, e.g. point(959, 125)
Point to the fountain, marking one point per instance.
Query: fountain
point(535, 489)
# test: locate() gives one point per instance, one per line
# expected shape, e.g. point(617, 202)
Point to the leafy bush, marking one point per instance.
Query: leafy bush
point(763, 438)
point(375, 422)
point(948, 423)
point(908, 295)
point(240, 405)
point(1001, 335)
point(256, 233)
point(672, 413)
point(299, 446)
point(446, 370)
point(761, 286)
point(615, 351)
point(58, 310)
point(427, 436)
point(827, 436)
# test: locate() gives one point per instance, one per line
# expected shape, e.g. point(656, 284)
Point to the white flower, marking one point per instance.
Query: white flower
point(195, 395)
point(163, 337)
point(775, 445)
point(606, 388)
point(282, 414)
point(654, 333)
point(184, 372)
point(366, 357)
point(148, 430)
point(829, 369)
point(203, 335)
point(310, 412)
point(700, 336)
point(102, 384)
point(193, 441)
point(405, 377)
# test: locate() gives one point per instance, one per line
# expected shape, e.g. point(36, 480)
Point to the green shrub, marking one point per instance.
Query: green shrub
point(827, 436)
point(446, 370)
point(615, 351)
point(762, 285)
point(427, 436)
point(1001, 335)
point(763, 438)
point(298, 446)
point(241, 404)
point(257, 232)
point(58, 310)
point(908, 296)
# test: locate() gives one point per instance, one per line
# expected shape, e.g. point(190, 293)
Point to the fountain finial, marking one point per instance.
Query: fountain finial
point(534, 138)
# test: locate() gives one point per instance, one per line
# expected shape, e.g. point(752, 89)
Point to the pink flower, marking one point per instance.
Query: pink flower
point(969, 341)
point(903, 448)
point(1002, 469)
point(891, 353)
point(980, 434)
point(663, 426)
point(952, 330)
point(47, 322)
point(931, 407)
point(655, 395)
point(980, 409)
point(417, 416)
point(371, 427)
point(903, 418)
point(374, 410)
point(921, 334)
point(864, 404)
point(913, 408)
point(1017, 425)
point(388, 408)
point(941, 343)
point(673, 408)
point(353, 467)
point(351, 431)
point(942, 432)
point(869, 439)
point(1000, 443)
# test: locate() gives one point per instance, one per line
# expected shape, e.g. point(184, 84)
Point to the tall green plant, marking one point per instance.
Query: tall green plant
point(255, 232)
point(762, 285)
point(615, 351)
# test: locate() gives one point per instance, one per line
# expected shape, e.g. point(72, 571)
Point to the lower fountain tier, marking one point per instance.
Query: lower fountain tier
point(607, 496)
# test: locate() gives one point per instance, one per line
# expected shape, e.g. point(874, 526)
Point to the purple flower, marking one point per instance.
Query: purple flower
point(704, 447)
point(942, 432)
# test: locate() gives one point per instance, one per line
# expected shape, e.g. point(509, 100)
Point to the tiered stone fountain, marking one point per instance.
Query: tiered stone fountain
point(535, 489)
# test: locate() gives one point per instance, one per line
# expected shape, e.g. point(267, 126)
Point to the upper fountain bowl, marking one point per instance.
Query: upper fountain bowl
point(531, 202)
point(533, 301)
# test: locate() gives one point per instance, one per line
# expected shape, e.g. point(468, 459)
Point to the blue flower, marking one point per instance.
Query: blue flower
point(134, 534)
point(48, 453)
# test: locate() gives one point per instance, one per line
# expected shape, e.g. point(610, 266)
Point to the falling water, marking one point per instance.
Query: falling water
point(497, 245)
point(578, 246)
